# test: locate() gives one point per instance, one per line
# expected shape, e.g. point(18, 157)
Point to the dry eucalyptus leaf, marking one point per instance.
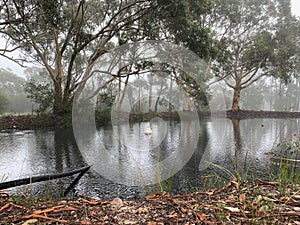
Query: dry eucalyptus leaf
point(232, 209)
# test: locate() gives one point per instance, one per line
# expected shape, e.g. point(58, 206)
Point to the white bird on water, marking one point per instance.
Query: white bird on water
point(148, 131)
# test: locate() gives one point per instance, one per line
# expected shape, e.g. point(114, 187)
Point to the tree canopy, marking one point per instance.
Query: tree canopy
point(256, 39)
point(242, 41)
point(66, 37)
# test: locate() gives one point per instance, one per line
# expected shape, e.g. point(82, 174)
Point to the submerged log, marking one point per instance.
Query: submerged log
point(34, 179)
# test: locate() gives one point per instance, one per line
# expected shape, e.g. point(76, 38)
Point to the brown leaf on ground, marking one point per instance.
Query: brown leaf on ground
point(85, 222)
point(251, 204)
point(201, 216)
point(183, 210)
point(242, 197)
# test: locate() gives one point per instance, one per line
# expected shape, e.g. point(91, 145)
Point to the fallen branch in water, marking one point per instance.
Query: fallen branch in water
point(35, 179)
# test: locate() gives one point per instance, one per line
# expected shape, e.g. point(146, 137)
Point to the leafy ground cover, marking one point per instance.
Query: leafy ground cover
point(262, 202)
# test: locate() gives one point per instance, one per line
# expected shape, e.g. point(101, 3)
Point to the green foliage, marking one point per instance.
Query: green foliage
point(181, 22)
point(166, 186)
point(196, 89)
point(16, 199)
point(66, 38)
point(229, 174)
point(240, 174)
point(41, 93)
point(255, 39)
point(44, 120)
point(39, 89)
point(106, 99)
point(185, 19)
point(103, 116)
point(287, 170)
point(162, 186)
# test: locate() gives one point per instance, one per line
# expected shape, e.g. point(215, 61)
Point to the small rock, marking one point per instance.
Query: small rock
point(116, 203)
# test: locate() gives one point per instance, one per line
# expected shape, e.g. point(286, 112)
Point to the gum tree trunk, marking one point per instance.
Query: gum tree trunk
point(57, 104)
point(236, 96)
point(236, 100)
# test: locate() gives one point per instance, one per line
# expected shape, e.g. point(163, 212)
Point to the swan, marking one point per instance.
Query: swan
point(148, 131)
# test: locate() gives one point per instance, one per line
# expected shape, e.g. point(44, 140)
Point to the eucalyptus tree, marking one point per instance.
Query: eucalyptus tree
point(255, 39)
point(183, 23)
point(186, 25)
point(66, 37)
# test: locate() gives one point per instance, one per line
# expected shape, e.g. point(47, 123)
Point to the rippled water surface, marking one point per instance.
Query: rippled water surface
point(220, 141)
